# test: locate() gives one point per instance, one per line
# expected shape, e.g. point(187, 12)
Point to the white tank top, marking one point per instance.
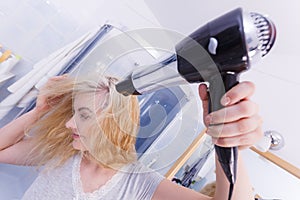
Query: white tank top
point(134, 181)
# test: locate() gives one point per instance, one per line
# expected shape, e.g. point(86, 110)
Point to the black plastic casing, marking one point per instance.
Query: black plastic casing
point(231, 52)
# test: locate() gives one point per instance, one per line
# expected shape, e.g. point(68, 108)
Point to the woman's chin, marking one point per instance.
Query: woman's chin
point(77, 145)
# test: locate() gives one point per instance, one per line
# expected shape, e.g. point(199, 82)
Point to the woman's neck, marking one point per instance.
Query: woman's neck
point(91, 162)
point(93, 174)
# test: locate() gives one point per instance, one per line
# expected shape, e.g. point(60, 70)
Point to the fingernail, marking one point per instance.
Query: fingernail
point(225, 101)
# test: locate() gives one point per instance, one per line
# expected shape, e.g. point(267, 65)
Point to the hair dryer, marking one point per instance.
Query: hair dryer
point(215, 53)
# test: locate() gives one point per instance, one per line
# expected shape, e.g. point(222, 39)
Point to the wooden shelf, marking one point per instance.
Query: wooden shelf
point(200, 138)
point(278, 161)
point(185, 156)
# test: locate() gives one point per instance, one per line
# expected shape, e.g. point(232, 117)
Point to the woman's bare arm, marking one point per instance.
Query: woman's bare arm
point(13, 145)
point(242, 190)
point(238, 124)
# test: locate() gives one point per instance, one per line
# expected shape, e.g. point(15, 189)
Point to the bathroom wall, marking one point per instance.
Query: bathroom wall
point(35, 28)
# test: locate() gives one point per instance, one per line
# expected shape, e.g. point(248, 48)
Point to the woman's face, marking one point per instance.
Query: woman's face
point(84, 115)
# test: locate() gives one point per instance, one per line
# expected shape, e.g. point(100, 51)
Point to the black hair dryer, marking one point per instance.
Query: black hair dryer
point(215, 53)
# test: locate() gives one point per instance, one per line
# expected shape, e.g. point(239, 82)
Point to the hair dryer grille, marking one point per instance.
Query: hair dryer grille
point(266, 32)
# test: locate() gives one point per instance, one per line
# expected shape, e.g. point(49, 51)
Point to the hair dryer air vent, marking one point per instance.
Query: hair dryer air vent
point(260, 33)
point(266, 32)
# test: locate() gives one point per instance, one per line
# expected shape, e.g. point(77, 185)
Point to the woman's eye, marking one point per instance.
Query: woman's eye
point(84, 116)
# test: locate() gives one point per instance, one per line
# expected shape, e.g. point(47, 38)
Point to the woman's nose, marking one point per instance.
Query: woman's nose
point(71, 123)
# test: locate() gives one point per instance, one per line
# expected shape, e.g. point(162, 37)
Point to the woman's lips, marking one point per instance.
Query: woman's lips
point(75, 136)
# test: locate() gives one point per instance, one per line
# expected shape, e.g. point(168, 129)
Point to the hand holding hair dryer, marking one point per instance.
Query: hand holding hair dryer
point(215, 53)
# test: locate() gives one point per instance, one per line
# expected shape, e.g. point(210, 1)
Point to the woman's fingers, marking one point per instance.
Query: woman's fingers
point(44, 101)
point(236, 101)
point(238, 123)
point(240, 127)
point(204, 98)
point(244, 140)
point(53, 79)
point(233, 113)
point(241, 91)
point(203, 92)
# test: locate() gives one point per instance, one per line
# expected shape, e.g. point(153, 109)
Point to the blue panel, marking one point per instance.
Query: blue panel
point(157, 111)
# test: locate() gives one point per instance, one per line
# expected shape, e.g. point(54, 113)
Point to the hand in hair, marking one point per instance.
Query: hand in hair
point(44, 102)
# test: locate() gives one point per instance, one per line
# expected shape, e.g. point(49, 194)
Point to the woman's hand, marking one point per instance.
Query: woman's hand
point(44, 101)
point(238, 123)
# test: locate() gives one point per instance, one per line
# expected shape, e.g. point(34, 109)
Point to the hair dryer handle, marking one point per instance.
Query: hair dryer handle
point(218, 86)
point(227, 156)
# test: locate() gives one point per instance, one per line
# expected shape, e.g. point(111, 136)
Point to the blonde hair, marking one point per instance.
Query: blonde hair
point(112, 136)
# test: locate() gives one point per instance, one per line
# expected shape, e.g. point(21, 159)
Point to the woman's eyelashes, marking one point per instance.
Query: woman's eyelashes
point(82, 113)
point(84, 116)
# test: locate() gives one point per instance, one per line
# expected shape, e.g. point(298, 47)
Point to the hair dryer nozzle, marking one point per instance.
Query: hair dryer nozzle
point(266, 32)
point(260, 34)
point(126, 87)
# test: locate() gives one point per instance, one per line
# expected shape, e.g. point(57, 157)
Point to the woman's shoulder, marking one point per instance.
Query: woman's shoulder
point(141, 170)
point(52, 183)
point(144, 179)
point(138, 166)
point(57, 166)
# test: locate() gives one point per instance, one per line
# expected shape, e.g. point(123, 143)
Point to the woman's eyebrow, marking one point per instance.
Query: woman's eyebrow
point(85, 108)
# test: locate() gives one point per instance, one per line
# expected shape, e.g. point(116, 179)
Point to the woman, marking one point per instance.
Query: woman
point(83, 134)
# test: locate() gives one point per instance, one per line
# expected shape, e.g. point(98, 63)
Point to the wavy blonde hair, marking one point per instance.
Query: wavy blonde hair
point(112, 136)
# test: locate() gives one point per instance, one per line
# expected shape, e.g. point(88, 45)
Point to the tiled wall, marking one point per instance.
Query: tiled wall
point(33, 29)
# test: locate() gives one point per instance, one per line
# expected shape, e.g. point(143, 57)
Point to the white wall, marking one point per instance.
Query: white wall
point(269, 180)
